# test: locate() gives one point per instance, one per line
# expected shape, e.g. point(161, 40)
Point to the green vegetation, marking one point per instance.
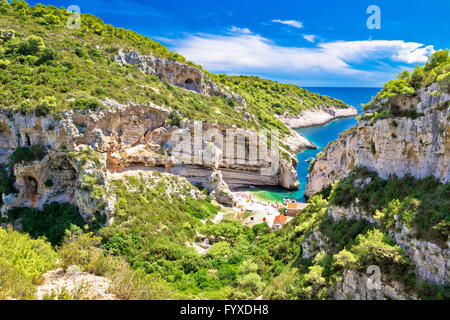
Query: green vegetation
point(27, 154)
point(22, 262)
point(399, 92)
point(146, 251)
point(421, 204)
point(50, 222)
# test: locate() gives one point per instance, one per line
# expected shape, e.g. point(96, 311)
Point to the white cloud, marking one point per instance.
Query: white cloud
point(235, 29)
point(243, 52)
point(310, 37)
point(292, 23)
point(396, 50)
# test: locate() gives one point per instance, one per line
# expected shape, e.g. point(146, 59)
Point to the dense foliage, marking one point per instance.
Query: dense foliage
point(46, 67)
point(391, 100)
point(22, 262)
point(50, 222)
point(421, 204)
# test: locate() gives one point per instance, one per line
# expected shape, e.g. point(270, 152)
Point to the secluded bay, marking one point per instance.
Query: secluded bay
point(320, 136)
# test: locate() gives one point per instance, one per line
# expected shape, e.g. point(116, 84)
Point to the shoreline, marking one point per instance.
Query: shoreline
point(316, 118)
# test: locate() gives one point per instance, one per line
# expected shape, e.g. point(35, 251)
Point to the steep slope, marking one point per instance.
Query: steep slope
point(392, 172)
point(125, 96)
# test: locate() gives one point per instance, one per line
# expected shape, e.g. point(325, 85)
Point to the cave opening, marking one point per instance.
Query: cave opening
point(189, 84)
point(31, 187)
point(27, 140)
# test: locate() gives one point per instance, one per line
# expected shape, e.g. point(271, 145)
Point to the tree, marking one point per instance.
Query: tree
point(4, 6)
point(437, 59)
point(345, 259)
point(252, 282)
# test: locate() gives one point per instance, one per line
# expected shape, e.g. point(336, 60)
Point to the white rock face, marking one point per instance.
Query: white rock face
point(314, 243)
point(178, 74)
point(354, 286)
point(419, 147)
point(431, 262)
point(316, 117)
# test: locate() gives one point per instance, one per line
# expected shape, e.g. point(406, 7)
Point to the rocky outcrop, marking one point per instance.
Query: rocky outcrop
point(85, 147)
point(402, 145)
point(316, 117)
point(430, 261)
point(78, 285)
point(179, 74)
point(314, 243)
point(358, 286)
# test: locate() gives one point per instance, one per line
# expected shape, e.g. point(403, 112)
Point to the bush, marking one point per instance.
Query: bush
point(22, 262)
point(83, 250)
point(47, 55)
point(31, 46)
point(7, 182)
point(28, 154)
point(87, 103)
point(52, 221)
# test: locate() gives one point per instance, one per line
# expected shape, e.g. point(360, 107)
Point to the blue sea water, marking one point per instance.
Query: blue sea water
point(320, 136)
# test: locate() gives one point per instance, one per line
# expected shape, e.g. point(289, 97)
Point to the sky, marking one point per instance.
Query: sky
point(311, 43)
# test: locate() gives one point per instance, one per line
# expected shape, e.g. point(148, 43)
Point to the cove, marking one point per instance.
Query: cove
point(320, 136)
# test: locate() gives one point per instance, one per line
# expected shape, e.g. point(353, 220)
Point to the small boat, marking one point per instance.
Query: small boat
point(309, 159)
point(252, 187)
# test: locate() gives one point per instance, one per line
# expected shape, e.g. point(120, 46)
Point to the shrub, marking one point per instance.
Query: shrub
point(87, 103)
point(48, 183)
point(47, 55)
point(28, 154)
point(22, 262)
point(7, 182)
point(51, 222)
point(83, 249)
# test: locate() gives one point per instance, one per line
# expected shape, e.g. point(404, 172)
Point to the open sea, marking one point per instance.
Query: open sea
point(320, 136)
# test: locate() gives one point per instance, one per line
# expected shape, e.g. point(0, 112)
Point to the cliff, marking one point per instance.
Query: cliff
point(390, 172)
point(395, 145)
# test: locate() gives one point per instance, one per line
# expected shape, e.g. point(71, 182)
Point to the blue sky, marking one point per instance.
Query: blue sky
point(309, 43)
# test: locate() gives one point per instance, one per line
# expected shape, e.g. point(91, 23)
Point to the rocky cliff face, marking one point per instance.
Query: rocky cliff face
point(178, 74)
point(118, 139)
point(354, 286)
point(418, 145)
point(400, 145)
point(316, 117)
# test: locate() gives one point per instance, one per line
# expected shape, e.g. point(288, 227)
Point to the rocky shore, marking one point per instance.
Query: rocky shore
point(317, 117)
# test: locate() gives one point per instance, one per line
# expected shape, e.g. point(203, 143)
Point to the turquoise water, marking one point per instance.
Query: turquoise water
point(320, 136)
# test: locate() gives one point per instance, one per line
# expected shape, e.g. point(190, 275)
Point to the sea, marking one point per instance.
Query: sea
point(320, 136)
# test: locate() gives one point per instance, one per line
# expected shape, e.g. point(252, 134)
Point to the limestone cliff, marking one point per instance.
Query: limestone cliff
point(399, 145)
point(95, 144)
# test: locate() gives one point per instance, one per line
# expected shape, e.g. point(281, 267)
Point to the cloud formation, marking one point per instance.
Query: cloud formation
point(235, 29)
point(242, 52)
point(292, 23)
point(310, 37)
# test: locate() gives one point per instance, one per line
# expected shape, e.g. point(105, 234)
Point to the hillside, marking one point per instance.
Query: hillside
point(93, 186)
point(51, 68)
